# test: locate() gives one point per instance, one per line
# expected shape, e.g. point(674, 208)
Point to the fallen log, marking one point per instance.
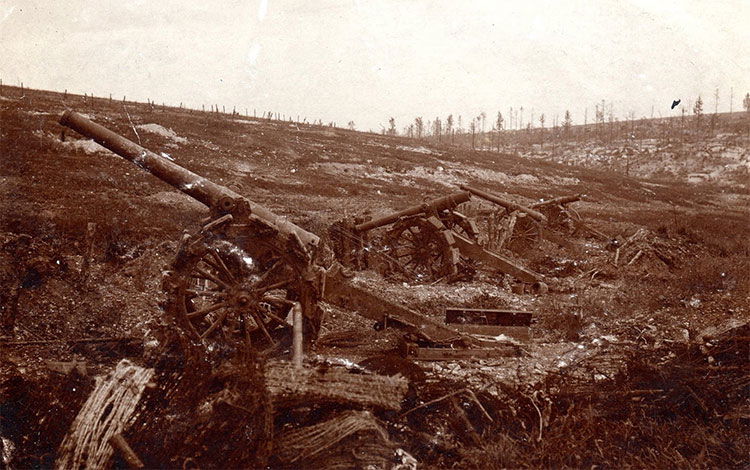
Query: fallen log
point(320, 442)
point(289, 386)
point(107, 412)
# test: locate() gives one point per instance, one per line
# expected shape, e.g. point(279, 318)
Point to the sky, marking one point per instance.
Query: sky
point(366, 61)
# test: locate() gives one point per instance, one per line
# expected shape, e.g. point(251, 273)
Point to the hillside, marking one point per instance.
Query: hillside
point(684, 273)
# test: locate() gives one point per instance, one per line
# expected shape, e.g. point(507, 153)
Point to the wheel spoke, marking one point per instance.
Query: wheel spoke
point(205, 293)
point(272, 299)
point(262, 326)
point(274, 286)
point(221, 266)
point(279, 302)
point(205, 275)
point(205, 311)
point(216, 324)
point(214, 267)
point(267, 274)
point(273, 316)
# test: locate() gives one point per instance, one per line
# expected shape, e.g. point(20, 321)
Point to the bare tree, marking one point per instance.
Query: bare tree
point(419, 126)
point(473, 127)
point(510, 118)
point(698, 112)
point(600, 119)
point(541, 130)
point(499, 126)
point(392, 126)
point(352, 126)
point(746, 102)
point(716, 101)
point(567, 122)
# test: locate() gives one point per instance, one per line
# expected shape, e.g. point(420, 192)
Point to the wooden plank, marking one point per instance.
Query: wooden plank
point(492, 260)
point(484, 316)
point(522, 333)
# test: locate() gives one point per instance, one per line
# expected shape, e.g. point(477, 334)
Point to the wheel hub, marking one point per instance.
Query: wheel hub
point(243, 299)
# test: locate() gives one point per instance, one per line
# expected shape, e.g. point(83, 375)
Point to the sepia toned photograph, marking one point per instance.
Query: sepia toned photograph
point(392, 234)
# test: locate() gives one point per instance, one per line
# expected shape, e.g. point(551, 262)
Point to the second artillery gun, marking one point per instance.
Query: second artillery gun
point(238, 277)
point(427, 242)
point(519, 228)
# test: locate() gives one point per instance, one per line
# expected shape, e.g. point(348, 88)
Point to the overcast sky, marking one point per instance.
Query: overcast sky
point(341, 60)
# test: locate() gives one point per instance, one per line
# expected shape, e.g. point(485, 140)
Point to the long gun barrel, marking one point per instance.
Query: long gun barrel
point(446, 202)
point(562, 200)
point(207, 192)
point(511, 206)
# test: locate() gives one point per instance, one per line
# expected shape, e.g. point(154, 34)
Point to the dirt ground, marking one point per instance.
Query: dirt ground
point(658, 310)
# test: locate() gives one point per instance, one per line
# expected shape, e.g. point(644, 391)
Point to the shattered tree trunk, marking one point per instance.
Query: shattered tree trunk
point(290, 386)
point(106, 413)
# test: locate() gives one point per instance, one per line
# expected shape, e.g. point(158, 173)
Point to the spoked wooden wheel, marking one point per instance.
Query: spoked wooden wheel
point(423, 248)
point(223, 294)
point(563, 219)
point(524, 233)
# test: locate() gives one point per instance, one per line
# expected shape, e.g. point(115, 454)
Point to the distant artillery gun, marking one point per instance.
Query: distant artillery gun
point(426, 242)
point(560, 217)
point(521, 227)
point(418, 239)
point(237, 279)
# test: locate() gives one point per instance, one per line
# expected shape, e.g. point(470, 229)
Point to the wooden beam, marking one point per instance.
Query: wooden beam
point(522, 333)
point(486, 316)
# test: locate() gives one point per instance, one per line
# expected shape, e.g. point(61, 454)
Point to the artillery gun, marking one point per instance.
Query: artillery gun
point(426, 242)
point(520, 225)
point(559, 215)
point(520, 228)
point(243, 272)
point(418, 240)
